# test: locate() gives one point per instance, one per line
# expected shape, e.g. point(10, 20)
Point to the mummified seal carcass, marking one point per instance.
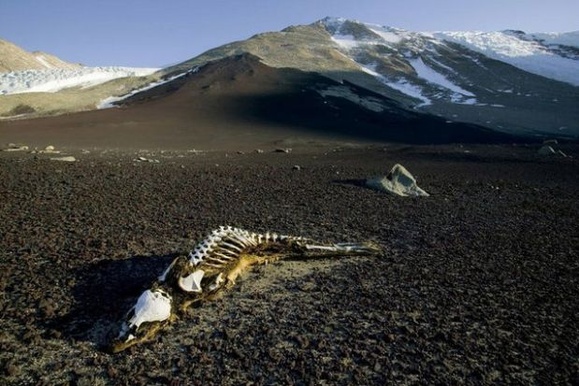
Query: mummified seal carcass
point(211, 268)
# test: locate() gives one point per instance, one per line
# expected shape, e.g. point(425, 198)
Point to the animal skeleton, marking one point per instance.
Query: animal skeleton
point(211, 268)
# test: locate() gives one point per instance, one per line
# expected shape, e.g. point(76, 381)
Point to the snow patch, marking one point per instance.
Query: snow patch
point(404, 87)
point(345, 41)
point(389, 35)
point(43, 61)
point(110, 102)
point(447, 68)
point(429, 74)
point(401, 85)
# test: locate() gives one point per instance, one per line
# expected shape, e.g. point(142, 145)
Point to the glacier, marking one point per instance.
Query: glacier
point(53, 80)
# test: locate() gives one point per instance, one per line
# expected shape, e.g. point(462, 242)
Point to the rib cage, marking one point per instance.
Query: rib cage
point(225, 244)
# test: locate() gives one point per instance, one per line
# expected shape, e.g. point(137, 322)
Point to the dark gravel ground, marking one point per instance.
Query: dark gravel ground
point(478, 284)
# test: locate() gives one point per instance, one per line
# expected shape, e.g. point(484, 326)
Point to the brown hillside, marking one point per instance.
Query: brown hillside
point(239, 103)
point(14, 58)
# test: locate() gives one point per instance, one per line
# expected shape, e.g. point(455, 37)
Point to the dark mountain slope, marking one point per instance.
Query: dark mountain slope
point(241, 87)
point(239, 102)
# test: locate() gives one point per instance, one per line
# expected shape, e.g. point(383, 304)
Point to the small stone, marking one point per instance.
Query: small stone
point(47, 307)
point(64, 159)
point(144, 159)
point(229, 334)
point(11, 369)
point(31, 337)
point(546, 150)
point(16, 147)
point(297, 167)
point(550, 142)
point(112, 372)
point(55, 334)
point(238, 353)
point(303, 341)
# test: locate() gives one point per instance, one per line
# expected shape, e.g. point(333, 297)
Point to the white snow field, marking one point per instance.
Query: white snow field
point(53, 80)
point(527, 55)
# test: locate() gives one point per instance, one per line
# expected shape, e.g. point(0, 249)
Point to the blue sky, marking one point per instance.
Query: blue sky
point(154, 33)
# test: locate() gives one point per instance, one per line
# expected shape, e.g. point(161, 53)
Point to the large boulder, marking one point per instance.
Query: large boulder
point(399, 181)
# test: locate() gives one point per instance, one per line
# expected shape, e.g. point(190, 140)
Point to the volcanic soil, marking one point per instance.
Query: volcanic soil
point(477, 284)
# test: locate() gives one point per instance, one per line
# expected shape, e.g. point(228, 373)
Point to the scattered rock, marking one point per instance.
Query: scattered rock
point(550, 142)
point(283, 150)
point(50, 149)
point(16, 147)
point(560, 152)
point(91, 261)
point(399, 181)
point(546, 150)
point(150, 160)
point(47, 150)
point(297, 167)
point(64, 159)
point(47, 307)
point(258, 151)
point(11, 369)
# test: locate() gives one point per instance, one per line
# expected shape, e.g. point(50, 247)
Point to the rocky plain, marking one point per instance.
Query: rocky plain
point(477, 284)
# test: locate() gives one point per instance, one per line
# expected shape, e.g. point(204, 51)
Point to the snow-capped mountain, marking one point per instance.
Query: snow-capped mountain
point(509, 81)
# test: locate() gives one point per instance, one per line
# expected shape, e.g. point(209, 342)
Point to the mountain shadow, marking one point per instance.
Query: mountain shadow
point(243, 88)
point(240, 103)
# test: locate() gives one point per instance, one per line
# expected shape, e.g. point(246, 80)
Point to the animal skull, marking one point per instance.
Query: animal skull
point(143, 320)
